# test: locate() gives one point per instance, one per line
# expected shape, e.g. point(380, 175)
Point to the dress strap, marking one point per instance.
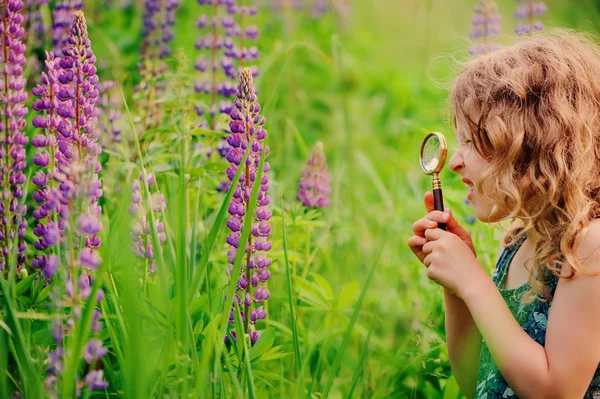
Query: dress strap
point(504, 260)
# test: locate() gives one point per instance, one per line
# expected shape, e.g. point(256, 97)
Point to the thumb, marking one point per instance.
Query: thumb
point(428, 200)
point(452, 223)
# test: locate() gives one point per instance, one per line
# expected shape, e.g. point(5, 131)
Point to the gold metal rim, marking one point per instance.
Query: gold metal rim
point(443, 153)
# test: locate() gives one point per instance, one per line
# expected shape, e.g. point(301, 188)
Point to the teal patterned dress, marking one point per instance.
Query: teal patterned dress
point(532, 317)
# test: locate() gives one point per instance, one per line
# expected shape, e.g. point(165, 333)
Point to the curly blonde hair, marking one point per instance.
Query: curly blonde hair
point(533, 111)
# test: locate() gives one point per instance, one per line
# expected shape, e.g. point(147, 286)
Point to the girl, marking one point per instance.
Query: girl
point(527, 121)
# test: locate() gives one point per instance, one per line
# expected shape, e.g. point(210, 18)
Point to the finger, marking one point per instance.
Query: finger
point(427, 260)
point(421, 225)
point(416, 242)
point(428, 247)
point(455, 227)
point(428, 200)
point(438, 216)
point(451, 222)
point(434, 234)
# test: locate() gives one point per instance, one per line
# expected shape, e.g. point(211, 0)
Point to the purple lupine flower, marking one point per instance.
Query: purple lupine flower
point(109, 113)
point(95, 380)
point(47, 231)
point(33, 21)
point(217, 69)
point(62, 15)
point(141, 234)
point(12, 136)
point(93, 350)
point(159, 18)
point(526, 16)
point(70, 188)
point(78, 148)
point(246, 127)
point(315, 184)
point(486, 24)
point(319, 8)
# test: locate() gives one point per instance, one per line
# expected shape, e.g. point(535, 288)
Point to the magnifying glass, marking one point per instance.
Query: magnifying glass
point(432, 158)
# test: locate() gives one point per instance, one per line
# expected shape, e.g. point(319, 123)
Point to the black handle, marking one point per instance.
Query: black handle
point(438, 204)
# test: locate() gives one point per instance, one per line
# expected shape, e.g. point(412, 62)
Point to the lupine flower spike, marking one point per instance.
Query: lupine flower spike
point(12, 136)
point(68, 95)
point(486, 24)
point(246, 127)
point(159, 18)
point(526, 15)
point(141, 234)
point(227, 51)
point(314, 186)
point(62, 16)
point(47, 230)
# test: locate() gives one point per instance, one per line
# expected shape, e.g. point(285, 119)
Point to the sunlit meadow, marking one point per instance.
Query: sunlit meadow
point(211, 198)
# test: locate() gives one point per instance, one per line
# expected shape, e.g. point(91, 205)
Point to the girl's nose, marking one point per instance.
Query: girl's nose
point(456, 162)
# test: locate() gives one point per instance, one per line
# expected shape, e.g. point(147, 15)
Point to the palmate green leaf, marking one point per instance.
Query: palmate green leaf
point(267, 338)
point(349, 292)
point(43, 295)
point(324, 286)
point(311, 294)
point(273, 353)
point(25, 283)
point(263, 374)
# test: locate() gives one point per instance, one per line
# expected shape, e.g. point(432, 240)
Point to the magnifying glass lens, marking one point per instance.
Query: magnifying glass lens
point(431, 154)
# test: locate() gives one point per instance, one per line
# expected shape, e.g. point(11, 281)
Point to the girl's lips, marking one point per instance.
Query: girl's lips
point(471, 193)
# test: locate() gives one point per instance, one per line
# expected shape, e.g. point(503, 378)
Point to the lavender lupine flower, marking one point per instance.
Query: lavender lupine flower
point(12, 137)
point(141, 235)
point(78, 148)
point(47, 230)
point(319, 8)
point(68, 95)
point(94, 349)
point(526, 15)
point(159, 18)
point(62, 16)
point(314, 186)
point(109, 113)
point(33, 20)
point(226, 50)
point(218, 70)
point(246, 127)
point(486, 24)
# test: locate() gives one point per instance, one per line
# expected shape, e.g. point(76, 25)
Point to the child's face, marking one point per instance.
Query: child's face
point(470, 165)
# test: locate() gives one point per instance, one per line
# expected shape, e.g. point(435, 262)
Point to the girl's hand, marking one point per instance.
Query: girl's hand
point(417, 241)
point(452, 264)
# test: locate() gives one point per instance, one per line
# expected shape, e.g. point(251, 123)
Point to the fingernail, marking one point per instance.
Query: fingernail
point(445, 217)
point(423, 240)
point(430, 224)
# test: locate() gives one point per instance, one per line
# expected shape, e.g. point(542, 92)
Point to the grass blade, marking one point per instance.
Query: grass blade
point(338, 357)
point(297, 355)
point(214, 232)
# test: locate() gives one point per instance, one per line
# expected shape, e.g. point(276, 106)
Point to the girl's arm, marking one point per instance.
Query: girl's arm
point(464, 343)
point(565, 366)
point(463, 337)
